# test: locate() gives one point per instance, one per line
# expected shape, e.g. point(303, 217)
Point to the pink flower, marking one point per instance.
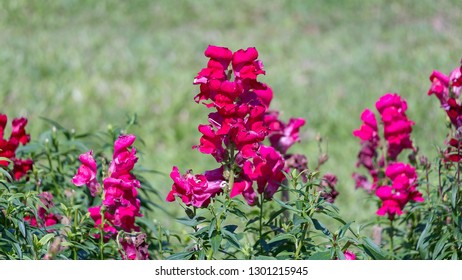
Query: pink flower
point(124, 217)
point(397, 127)
point(391, 100)
point(439, 87)
point(45, 218)
point(21, 167)
point(222, 55)
point(266, 170)
point(86, 174)
point(195, 190)
point(235, 131)
point(19, 132)
point(283, 136)
point(396, 170)
point(402, 190)
point(8, 147)
point(349, 255)
point(368, 130)
point(390, 207)
point(119, 189)
point(134, 247)
point(95, 214)
point(211, 143)
point(245, 65)
point(244, 187)
point(327, 187)
point(362, 182)
point(124, 159)
point(3, 121)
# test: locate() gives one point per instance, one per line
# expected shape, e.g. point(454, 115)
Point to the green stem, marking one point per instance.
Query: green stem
point(159, 229)
point(391, 233)
point(101, 237)
point(260, 230)
point(300, 241)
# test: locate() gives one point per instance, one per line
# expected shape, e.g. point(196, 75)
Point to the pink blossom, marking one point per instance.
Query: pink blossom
point(349, 255)
point(95, 214)
point(8, 147)
point(283, 136)
point(327, 187)
point(368, 130)
point(19, 132)
point(21, 167)
point(196, 190)
point(3, 121)
point(244, 187)
point(402, 190)
point(266, 170)
point(222, 55)
point(134, 247)
point(245, 65)
point(439, 86)
point(390, 207)
point(45, 217)
point(86, 174)
point(397, 127)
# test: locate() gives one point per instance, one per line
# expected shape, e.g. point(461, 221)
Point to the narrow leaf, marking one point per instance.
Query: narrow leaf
point(44, 240)
point(320, 256)
point(372, 249)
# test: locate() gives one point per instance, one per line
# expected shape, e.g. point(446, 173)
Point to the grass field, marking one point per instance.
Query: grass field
point(88, 64)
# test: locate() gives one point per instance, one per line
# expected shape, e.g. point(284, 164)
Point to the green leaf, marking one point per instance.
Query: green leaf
point(212, 227)
point(265, 258)
point(215, 241)
point(231, 237)
point(319, 226)
point(285, 255)
point(7, 175)
point(298, 220)
point(230, 228)
point(286, 206)
point(372, 249)
point(455, 195)
point(22, 228)
point(440, 245)
point(425, 232)
point(344, 229)
point(189, 222)
point(66, 243)
point(44, 240)
point(339, 254)
point(18, 250)
point(180, 256)
point(280, 237)
point(320, 256)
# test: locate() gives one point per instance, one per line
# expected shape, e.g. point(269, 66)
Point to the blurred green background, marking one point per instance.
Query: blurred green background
point(88, 64)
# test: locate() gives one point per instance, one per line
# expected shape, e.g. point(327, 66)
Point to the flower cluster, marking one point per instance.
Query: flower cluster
point(396, 133)
point(397, 129)
point(237, 127)
point(45, 218)
point(8, 147)
point(396, 126)
point(402, 189)
point(447, 90)
point(120, 205)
